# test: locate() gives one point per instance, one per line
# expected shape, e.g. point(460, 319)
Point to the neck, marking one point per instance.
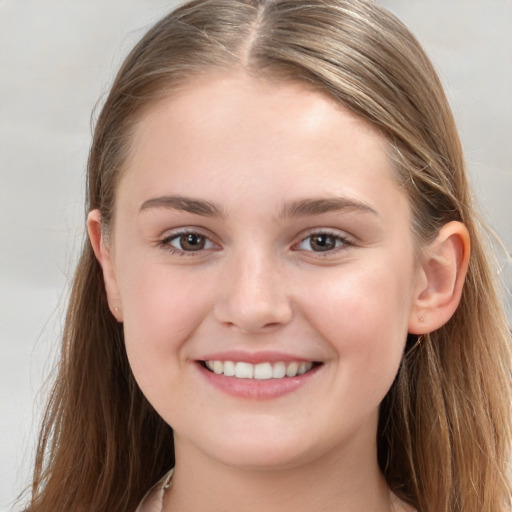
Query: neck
point(344, 478)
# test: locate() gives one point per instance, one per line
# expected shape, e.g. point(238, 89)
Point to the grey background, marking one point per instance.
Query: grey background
point(57, 58)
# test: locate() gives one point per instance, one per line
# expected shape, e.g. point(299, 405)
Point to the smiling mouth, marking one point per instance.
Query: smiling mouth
point(260, 371)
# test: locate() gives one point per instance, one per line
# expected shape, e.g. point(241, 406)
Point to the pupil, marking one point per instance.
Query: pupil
point(323, 242)
point(192, 242)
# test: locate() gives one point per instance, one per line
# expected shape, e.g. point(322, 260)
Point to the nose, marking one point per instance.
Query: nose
point(253, 296)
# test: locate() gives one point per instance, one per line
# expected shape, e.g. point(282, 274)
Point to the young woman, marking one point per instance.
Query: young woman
point(285, 294)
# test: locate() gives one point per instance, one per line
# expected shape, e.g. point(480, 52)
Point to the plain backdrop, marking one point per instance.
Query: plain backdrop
point(57, 59)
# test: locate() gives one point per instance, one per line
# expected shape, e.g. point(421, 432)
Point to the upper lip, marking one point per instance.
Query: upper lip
point(255, 357)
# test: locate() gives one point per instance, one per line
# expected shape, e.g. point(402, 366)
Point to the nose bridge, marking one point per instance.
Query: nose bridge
point(254, 294)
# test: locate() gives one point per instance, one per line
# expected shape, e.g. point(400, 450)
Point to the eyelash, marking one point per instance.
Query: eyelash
point(341, 243)
point(166, 243)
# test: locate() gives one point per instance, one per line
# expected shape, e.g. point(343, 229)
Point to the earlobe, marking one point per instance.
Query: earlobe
point(444, 267)
point(102, 252)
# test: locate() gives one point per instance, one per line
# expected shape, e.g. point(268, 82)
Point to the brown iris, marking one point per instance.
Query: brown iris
point(192, 242)
point(323, 242)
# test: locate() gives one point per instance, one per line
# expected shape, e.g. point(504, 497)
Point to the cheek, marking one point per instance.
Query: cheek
point(363, 315)
point(161, 311)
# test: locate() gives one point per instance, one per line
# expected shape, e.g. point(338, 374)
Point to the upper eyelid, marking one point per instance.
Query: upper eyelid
point(327, 231)
point(347, 243)
point(164, 243)
point(173, 233)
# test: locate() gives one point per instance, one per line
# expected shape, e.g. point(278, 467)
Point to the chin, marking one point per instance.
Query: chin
point(262, 459)
point(265, 450)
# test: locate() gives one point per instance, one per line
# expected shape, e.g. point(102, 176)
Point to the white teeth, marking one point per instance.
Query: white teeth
point(263, 371)
point(303, 368)
point(278, 371)
point(244, 370)
point(229, 368)
point(291, 369)
point(260, 371)
point(218, 367)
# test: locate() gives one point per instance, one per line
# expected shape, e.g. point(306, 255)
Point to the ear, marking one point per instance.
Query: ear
point(103, 255)
point(442, 274)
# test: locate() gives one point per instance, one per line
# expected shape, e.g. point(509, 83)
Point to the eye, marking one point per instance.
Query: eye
point(187, 242)
point(322, 242)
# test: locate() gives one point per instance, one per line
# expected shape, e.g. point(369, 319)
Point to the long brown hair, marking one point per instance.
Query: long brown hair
point(444, 433)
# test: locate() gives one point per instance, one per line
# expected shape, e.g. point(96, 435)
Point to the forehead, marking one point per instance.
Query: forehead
point(246, 102)
point(236, 133)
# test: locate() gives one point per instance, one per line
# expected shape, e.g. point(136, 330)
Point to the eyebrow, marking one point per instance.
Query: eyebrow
point(184, 204)
point(304, 207)
point(298, 208)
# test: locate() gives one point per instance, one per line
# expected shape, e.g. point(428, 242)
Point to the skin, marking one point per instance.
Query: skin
point(260, 284)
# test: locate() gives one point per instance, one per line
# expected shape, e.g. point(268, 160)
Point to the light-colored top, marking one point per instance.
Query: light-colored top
point(153, 501)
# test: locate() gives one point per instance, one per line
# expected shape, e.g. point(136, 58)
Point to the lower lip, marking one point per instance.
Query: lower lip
point(256, 389)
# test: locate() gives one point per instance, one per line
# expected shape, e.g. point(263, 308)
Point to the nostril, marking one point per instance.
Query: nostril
point(249, 315)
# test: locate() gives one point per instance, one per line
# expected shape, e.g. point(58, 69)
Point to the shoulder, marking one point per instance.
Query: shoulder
point(153, 500)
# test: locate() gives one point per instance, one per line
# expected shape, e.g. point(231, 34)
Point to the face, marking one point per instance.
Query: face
point(264, 268)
